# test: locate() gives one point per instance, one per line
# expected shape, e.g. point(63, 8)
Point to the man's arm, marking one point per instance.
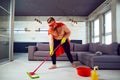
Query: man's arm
point(50, 40)
point(51, 44)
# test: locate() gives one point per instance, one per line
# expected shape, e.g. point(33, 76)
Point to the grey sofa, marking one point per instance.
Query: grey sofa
point(110, 58)
point(41, 51)
point(85, 53)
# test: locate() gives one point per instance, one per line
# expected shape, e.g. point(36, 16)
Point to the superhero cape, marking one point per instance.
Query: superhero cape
point(60, 50)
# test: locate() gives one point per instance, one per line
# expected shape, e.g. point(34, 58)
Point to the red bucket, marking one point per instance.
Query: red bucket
point(83, 71)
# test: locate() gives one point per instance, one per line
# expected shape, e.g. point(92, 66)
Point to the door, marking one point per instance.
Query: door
point(5, 31)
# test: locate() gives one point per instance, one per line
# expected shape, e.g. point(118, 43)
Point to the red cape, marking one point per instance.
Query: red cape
point(60, 50)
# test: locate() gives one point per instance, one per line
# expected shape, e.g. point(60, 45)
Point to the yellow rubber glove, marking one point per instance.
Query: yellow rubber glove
point(63, 40)
point(51, 50)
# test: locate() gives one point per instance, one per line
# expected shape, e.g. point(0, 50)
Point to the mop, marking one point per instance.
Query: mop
point(32, 74)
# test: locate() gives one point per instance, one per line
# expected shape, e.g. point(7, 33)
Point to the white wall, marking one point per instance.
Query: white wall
point(32, 36)
point(78, 31)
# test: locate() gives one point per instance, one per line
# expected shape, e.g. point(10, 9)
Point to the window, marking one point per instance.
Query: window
point(108, 28)
point(96, 31)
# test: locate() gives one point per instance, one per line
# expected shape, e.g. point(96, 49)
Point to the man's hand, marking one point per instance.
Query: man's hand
point(51, 50)
point(63, 40)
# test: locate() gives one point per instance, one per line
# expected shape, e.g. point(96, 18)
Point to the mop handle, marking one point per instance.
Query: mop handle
point(45, 59)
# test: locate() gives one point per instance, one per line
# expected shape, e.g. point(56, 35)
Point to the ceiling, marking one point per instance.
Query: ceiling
point(55, 7)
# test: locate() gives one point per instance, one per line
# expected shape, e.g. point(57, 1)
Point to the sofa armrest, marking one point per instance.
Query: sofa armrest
point(31, 50)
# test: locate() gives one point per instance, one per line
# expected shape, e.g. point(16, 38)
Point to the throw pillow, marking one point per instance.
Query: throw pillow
point(110, 49)
point(93, 47)
point(81, 47)
point(42, 47)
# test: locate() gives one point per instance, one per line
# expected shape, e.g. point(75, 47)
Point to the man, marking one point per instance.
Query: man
point(58, 34)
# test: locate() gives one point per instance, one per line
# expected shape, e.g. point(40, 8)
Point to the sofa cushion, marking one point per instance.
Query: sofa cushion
point(42, 47)
point(87, 56)
point(81, 54)
point(111, 49)
point(41, 53)
point(81, 47)
point(106, 58)
point(93, 47)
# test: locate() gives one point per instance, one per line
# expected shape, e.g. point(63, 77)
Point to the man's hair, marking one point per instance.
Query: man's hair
point(50, 19)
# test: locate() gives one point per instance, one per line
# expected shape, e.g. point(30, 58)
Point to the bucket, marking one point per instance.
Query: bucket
point(83, 71)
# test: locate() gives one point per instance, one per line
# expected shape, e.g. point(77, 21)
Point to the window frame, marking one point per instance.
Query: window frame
point(93, 31)
point(106, 34)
